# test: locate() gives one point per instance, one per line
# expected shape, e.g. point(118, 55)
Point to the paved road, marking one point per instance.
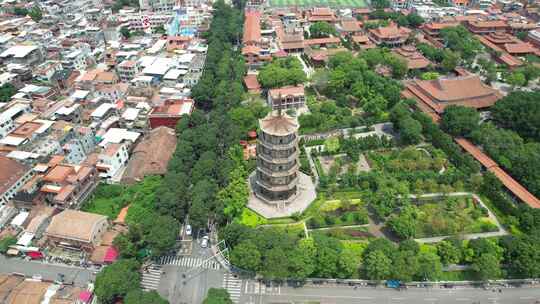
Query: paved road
point(185, 283)
point(254, 293)
point(79, 276)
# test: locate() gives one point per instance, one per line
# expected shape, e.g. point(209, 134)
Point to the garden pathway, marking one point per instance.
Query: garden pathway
point(312, 163)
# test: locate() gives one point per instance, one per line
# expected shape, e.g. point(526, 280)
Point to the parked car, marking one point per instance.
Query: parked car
point(204, 242)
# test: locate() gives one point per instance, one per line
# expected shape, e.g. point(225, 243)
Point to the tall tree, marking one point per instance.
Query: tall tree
point(116, 280)
point(218, 296)
point(487, 266)
point(430, 267)
point(377, 265)
point(460, 120)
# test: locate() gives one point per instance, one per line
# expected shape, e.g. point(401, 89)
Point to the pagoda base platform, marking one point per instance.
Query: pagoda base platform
point(272, 209)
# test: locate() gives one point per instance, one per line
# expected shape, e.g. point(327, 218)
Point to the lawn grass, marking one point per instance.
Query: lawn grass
point(334, 213)
point(251, 219)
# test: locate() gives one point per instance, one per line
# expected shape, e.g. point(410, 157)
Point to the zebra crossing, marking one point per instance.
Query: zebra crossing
point(151, 277)
point(189, 262)
point(233, 286)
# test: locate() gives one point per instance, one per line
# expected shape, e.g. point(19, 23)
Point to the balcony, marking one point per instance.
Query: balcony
point(273, 188)
point(274, 160)
point(272, 146)
point(281, 173)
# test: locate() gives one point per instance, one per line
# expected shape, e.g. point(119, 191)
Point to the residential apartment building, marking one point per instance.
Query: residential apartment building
point(67, 186)
point(112, 160)
point(127, 70)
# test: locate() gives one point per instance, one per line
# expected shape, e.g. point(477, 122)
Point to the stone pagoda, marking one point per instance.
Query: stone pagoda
point(278, 188)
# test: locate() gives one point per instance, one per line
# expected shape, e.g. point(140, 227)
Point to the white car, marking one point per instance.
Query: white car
point(188, 230)
point(204, 242)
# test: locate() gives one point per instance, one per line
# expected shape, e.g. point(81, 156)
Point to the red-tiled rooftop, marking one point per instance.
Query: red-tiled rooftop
point(252, 27)
point(519, 48)
point(439, 25)
point(511, 184)
point(287, 91)
point(390, 31)
point(327, 40)
point(489, 24)
point(251, 82)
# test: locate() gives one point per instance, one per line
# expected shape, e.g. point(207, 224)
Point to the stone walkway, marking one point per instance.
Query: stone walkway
point(306, 195)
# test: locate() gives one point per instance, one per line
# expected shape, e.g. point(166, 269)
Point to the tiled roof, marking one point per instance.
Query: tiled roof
point(287, 91)
point(322, 41)
point(519, 48)
point(251, 82)
point(511, 184)
point(146, 159)
point(279, 125)
point(467, 91)
point(390, 31)
point(75, 225)
point(11, 172)
point(252, 27)
point(414, 59)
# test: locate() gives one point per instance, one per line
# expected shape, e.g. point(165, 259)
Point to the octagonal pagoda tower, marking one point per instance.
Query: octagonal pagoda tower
point(276, 176)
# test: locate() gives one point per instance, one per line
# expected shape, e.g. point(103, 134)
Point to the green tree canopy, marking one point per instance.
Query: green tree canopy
point(377, 265)
point(246, 256)
point(144, 297)
point(5, 242)
point(516, 79)
point(404, 224)
point(6, 91)
point(487, 266)
point(117, 280)
point(460, 120)
point(448, 252)
point(322, 29)
point(519, 111)
point(217, 296)
point(282, 72)
point(430, 267)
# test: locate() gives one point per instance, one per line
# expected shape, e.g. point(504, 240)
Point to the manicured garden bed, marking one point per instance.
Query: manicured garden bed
point(447, 216)
point(339, 212)
point(350, 234)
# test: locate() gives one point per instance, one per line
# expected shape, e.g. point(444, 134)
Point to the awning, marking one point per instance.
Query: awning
point(85, 296)
point(35, 255)
point(12, 251)
point(111, 255)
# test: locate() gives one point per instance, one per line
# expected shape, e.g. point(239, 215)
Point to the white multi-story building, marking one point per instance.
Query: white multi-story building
point(46, 70)
point(135, 22)
point(8, 116)
point(127, 70)
point(112, 160)
point(76, 59)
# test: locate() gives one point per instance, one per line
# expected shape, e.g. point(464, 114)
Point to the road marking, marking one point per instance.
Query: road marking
point(398, 299)
point(463, 299)
point(322, 296)
point(526, 298)
point(493, 299)
point(430, 299)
